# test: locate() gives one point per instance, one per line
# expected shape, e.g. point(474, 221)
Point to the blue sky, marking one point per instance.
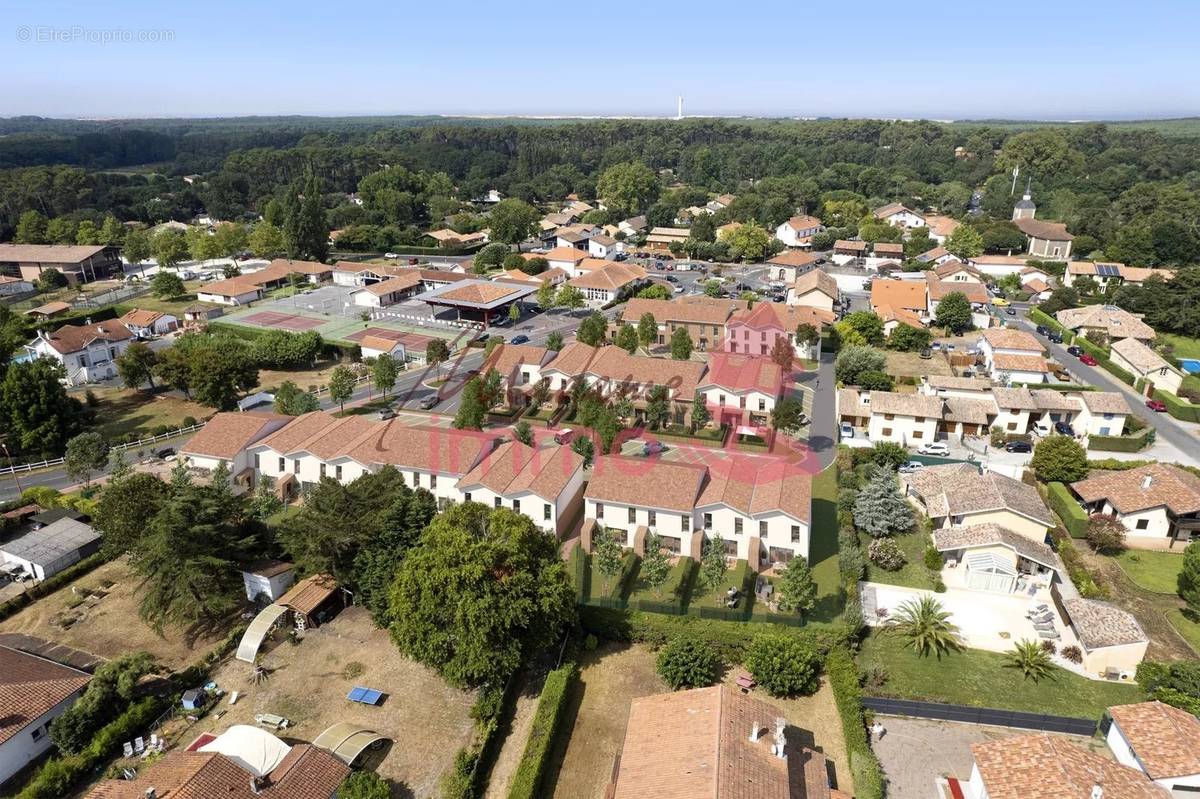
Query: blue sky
point(1054, 59)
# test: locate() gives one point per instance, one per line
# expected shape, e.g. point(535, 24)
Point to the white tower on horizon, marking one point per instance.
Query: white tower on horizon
point(679, 115)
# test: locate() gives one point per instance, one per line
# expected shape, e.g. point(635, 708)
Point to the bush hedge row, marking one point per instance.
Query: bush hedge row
point(551, 703)
point(1062, 502)
point(1040, 317)
point(845, 680)
point(47, 587)
point(1179, 408)
point(1130, 443)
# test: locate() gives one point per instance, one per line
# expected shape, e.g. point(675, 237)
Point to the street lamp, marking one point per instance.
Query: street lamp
point(16, 479)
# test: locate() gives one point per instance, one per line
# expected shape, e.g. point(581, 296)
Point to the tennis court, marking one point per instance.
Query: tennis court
point(283, 321)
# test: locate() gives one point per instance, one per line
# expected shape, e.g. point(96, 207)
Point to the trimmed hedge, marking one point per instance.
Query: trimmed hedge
point(59, 775)
point(845, 680)
point(1130, 443)
point(629, 565)
point(47, 587)
point(1063, 503)
point(577, 563)
point(1179, 408)
point(551, 703)
point(1040, 317)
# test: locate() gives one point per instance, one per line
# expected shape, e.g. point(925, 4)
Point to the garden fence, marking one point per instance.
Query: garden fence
point(29, 467)
point(980, 715)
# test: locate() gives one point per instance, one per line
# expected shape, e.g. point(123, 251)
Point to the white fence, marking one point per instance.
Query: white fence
point(29, 467)
point(425, 321)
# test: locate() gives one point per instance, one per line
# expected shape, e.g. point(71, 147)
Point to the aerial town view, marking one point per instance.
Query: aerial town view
point(385, 414)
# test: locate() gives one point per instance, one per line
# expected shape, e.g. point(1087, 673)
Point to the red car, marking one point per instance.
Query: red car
point(1156, 406)
point(1088, 359)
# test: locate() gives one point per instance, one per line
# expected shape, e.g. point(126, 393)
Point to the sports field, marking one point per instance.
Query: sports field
point(340, 329)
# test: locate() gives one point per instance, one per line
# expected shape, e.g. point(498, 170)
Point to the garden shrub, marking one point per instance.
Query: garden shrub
point(687, 662)
point(550, 707)
point(845, 680)
point(886, 554)
point(783, 665)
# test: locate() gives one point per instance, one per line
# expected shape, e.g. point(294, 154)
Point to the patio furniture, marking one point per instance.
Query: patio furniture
point(139, 745)
point(127, 749)
point(365, 696)
point(1048, 634)
point(271, 720)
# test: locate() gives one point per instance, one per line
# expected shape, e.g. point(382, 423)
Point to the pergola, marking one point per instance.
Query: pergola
point(988, 571)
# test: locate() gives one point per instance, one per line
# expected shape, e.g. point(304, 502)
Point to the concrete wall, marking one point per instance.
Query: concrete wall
point(902, 429)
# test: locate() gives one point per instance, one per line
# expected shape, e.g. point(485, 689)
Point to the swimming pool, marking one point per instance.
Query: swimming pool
point(1190, 365)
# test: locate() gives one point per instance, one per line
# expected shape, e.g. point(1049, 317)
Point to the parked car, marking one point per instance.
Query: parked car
point(519, 339)
point(653, 448)
point(165, 453)
point(910, 467)
point(1062, 428)
point(1055, 337)
point(1000, 302)
point(1011, 311)
point(1018, 446)
point(1042, 330)
point(1073, 350)
point(391, 255)
point(387, 413)
point(1156, 405)
point(968, 372)
point(1088, 359)
point(671, 279)
point(846, 430)
point(934, 448)
point(427, 403)
point(1041, 428)
point(563, 436)
point(1063, 376)
point(620, 256)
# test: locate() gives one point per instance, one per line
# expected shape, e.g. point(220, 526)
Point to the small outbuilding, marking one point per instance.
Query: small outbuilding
point(45, 551)
point(268, 578)
point(311, 601)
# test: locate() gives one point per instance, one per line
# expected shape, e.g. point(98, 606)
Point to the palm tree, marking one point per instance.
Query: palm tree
point(926, 627)
point(1031, 659)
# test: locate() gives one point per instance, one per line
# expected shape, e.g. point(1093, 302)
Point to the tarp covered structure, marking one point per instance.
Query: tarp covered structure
point(347, 741)
point(252, 748)
point(256, 633)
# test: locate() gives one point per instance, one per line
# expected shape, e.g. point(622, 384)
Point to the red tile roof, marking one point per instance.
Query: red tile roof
point(73, 338)
point(743, 373)
point(30, 687)
point(227, 434)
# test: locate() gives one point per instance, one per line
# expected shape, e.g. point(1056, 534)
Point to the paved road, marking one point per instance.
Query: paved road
point(1164, 425)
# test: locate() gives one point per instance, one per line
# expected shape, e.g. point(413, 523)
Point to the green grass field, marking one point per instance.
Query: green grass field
point(1186, 627)
point(1184, 347)
point(913, 574)
point(1153, 571)
point(823, 547)
point(983, 679)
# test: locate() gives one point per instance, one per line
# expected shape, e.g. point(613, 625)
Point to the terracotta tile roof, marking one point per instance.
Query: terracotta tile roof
point(1140, 356)
point(233, 287)
point(1044, 766)
point(1020, 399)
point(954, 267)
point(308, 594)
point(888, 313)
point(816, 280)
point(802, 222)
point(429, 449)
point(73, 338)
point(934, 254)
point(1006, 362)
point(959, 489)
point(1105, 402)
point(777, 486)
point(908, 295)
point(140, 318)
point(341, 437)
point(1116, 322)
point(954, 382)
point(777, 316)
point(1151, 486)
point(715, 312)
point(590, 264)
point(1039, 229)
point(696, 745)
point(514, 468)
point(507, 358)
point(50, 308)
point(1165, 739)
point(905, 404)
point(378, 343)
point(31, 686)
point(571, 254)
point(646, 482)
point(1008, 338)
point(48, 253)
point(975, 293)
point(291, 437)
point(884, 211)
point(398, 283)
point(573, 359)
point(982, 535)
point(611, 277)
point(478, 292)
point(1100, 624)
point(888, 248)
point(305, 772)
point(1006, 260)
point(795, 258)
point(1036, 285)
point(614, 363)
point(968, 411)
point(674, 232)
point(941, 225)
point(1049, 400)
point(845, 244)
point(739, 374)
point(227, 434)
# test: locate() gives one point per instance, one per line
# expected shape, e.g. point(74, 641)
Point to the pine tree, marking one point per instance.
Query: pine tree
point(880, 509)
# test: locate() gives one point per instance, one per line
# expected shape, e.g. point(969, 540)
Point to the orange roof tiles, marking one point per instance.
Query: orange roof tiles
point(1165, 739)
point(906, 294)
point(227, 434)
point(646, 482)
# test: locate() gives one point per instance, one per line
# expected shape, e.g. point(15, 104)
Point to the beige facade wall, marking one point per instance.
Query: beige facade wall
point(1022, 525)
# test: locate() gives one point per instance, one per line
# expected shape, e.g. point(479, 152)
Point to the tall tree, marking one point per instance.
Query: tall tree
point(86, 454)
point(291, 400)
point(126, 505)
point(656, 566)
point(266, 240)
point(136, 365)
point(954, 312)
point(681, 344)
point(169, 247)
point(384, 372)
point(341, 385)
point(880, 509)
point(700, 413)
point(627, 338)
point(37, 412)
point(166, 285)
point(512, 221)
point(797, 591)
point(436, 353)
point(628, 187)
point(591, 330)
point(783, 354)
point(647, 330)
point(305, 232)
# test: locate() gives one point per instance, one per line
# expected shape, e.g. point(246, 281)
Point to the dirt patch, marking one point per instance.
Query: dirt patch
point(98, 614)
point(518, 736)
point(910, 364)
point(426, 720)
point(609, 679)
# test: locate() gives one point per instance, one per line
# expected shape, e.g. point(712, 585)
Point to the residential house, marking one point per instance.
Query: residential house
point(845, 251)
point(554, 276)
point(1144, 363)
point(1158, 502)
point(938, 255)
point(384, 293)
point(761, 510)
point(755, 330)
point(77, 263)
point(240, 290)
point(632, 226)
point(145, 324)
point(959, 495)
point(1037, 289)
point(892, 318)
point(1015, 354)
point(450, 239)
point(1103, 414)
point(564, 258)
point(544, 484)
point(975, 293)
point(1115, 323)
point(198, 314)
point(1161, 741)
point(373, 346)
point(88, 353)
point(953, 386)
point(1015, 409)
point(940, 227)
point(815, 289)
point(989, 557)
point(614, 372)
point(660, 239)
point(892, 296)
point(725, 231)
point(226, 439)
point(907, 419)
point(885, 252)
point(799, 230)
point(33, 692)
point(898, 215)
point(1112, 641)
point(631, 497)
point(1113, 274)
point(1000, 265)
point(724, 745)
point(604, 246)
point(519, 367)
point(703, 317)
point(1048, 240)
point(741, 390)
point(1032, 272)
point(577, 236)
point(1051, 767)
point(791, 264)
point(606, 285)
point(953, 270)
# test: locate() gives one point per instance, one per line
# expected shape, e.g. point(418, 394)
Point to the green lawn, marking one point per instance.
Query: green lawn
point(982, 679)
point(122, 411)
point(1153, 571)
point(1190, 630)
point(1185, 347)
point(823, 547)
point(913, 574)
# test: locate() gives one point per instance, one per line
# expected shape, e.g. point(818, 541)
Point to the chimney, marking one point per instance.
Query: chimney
point(1146, 481)
point(755, 731)
point(256, 784)
point(151, 793)
point(1097, 792)
point(780, 738)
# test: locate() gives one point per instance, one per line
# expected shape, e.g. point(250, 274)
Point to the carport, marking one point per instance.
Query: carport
point(347, 741)
point(257, 632)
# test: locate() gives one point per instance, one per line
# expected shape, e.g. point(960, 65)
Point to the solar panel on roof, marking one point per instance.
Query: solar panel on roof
point(1107, 270)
